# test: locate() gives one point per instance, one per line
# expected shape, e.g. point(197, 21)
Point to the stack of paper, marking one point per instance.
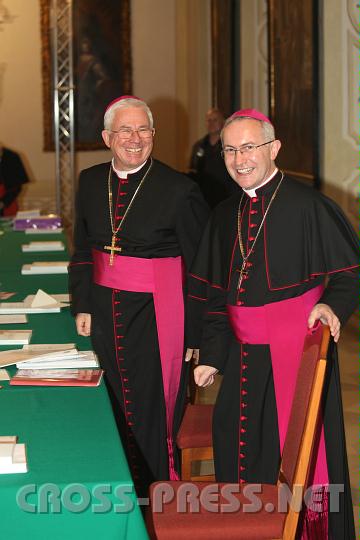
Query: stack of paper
point(9, 308)
point(21, 214)
point(44, 231)
point(57, 377)
point(41, 302)
point(15, 337)
point(13, 319)
point(12, 456)
point(30, 352)
point(61, 360)
point(55, 245)
point(49, 356)
point(46, 348)
point(45, 267)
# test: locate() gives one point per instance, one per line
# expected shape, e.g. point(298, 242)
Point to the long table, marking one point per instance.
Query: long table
point(78, 485)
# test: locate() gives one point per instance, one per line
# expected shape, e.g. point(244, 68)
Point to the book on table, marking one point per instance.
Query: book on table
point(11, 308)
point(15, 337)
point(50, 245)
point(57, 377)
point(45, 267)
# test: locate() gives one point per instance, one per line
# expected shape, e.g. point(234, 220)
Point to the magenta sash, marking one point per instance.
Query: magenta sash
point(283, 326)
point(162, 278)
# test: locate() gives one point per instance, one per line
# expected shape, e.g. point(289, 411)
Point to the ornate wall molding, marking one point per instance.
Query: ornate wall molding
point(351, 76)
point(353, 50)
point(254, 55)
point(262, 86)
point(3, 66)
point(352, 186)
point(5, 16)
point(353, 7)
point(351, 94)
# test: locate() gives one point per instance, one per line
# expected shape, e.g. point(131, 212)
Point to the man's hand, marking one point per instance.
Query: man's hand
point(83, 324)
point(326, 316)
point(192, 353)
point(204, 375)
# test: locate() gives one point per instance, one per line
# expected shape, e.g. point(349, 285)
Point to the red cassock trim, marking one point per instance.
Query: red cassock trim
point(206, 281)
point(124, 380)
point(78, 263)
point(242, 418)
point(312, 275)
point(197, 298)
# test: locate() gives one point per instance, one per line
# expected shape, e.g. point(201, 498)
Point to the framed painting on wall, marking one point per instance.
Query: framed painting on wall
point(102, 66)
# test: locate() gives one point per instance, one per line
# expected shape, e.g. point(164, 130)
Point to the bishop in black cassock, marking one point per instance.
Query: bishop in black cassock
point(164, 221)
point(303, 241)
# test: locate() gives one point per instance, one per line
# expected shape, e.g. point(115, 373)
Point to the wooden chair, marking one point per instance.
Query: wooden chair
point(178, 517)
point(195, 439)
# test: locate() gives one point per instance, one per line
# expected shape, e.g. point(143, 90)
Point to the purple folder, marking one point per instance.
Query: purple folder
point(46, 222)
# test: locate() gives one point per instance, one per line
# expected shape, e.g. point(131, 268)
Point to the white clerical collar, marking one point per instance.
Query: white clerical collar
point(252, 192)
point(124, 174)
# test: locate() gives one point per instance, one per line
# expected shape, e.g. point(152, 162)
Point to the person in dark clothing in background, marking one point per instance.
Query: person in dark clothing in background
point(207, 167)
point(12, 176)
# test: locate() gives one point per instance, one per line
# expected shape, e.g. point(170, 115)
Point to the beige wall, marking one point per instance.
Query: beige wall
point(153, 53)
point(171, 71)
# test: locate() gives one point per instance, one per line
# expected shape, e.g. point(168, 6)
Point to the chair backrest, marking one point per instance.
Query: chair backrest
point(299, 440)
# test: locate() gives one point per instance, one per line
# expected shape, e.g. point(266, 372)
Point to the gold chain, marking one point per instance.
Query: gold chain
point(241, 244)
point(113, 248)
point(115, 231)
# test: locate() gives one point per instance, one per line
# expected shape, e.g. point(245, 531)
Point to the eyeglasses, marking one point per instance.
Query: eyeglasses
point(246, 149)
point(127, 133)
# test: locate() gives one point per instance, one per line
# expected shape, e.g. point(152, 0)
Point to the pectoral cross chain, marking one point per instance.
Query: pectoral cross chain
point(243, 273)
point(112, 249)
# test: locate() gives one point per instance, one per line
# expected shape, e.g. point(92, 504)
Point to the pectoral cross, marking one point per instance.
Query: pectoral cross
point(243, 273)
point(112, 249)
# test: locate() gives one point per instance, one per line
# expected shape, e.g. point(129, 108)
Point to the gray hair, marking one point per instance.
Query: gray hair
point(125, 104)
point(268, 129)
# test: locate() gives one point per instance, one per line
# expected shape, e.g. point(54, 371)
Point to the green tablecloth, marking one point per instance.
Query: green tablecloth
point(73, 448)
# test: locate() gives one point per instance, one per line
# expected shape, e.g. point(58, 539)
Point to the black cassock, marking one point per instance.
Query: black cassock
point(166, 219)
point(305, 238)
